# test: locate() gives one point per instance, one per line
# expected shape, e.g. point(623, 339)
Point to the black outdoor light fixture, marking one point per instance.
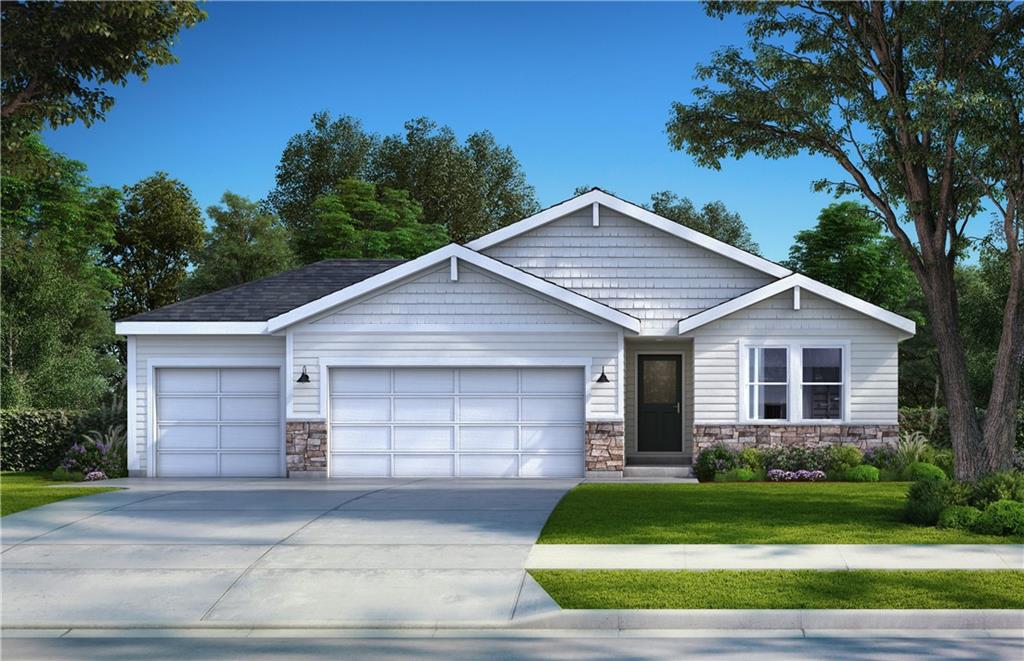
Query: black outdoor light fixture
point(303, 378)
point(603, 378)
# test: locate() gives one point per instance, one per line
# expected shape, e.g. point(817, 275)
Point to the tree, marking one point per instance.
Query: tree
point(921, 106)
point(848, 251)
point(714, 219)
point(158, 232)
point(55, 333)
point(313, 162)
point(61, 57)
point(246, 243)
point(364, 220)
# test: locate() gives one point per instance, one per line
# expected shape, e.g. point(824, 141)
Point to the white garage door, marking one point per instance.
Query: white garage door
point(218, 422)
point(469, 422)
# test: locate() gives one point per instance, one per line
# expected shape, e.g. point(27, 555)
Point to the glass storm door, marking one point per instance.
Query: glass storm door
point(659, 404)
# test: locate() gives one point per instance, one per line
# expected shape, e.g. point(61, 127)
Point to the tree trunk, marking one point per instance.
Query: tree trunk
point(1000, 425)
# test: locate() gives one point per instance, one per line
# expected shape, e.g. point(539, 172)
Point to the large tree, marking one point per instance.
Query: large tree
point(55, 332)
point(245, 243)
point(157, 234)
point(921, 105)
point(360, 219)
point(60, 58)
point(713, 219)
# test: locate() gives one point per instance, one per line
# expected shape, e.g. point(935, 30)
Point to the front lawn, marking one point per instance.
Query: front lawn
point(783, 589)
point(22, 491)
point(744, 513)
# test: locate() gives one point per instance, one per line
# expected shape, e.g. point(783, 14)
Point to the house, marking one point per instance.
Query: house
point(592, 336)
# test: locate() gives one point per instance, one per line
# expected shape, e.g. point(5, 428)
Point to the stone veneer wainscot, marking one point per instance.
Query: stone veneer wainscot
point(752, 436)
point(305, 449)
point(606, 447)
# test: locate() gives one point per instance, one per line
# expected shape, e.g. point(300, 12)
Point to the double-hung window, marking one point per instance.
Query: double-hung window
point(794, 381)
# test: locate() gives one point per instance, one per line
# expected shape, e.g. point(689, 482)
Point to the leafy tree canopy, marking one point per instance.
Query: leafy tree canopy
point(158, 232)
point(713, 219)
point(246, 243)
point(60, 56)
point(364, 220)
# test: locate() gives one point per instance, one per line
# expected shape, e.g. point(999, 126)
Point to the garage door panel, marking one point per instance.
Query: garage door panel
point(424, 465)
point(186, 464)
point(186, 381)
point(424, 438)
point(488, 381)
point(186, 437)
point(250, 381)
point(552, 409)
point(366, 437)
point(360, 465)
point(487, 438)
point(360, 409)
point(358, 381)
point(437, 381)
point(552, 465)
point(239, 409)
point(488, 465)
point(492, 409)
point(424, 409)
point(560, 381)
point(566, 438)
point(255, 437)
point(186, 409)
point(248, 464)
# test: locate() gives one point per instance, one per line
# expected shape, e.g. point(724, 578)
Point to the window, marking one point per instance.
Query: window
point(822, 374)
point(767, 378)
point(797, 381)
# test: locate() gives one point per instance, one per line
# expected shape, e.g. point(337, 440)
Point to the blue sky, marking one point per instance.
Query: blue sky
point(581, 92)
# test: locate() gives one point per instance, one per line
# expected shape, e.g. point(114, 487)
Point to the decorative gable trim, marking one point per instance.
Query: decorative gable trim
point(796, 282)
point(604, 199)
point(447, 253)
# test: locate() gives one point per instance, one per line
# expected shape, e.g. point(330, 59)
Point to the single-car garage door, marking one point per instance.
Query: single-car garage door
point(218, 422)
point(469, 422)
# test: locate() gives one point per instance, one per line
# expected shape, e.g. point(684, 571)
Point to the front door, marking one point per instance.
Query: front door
point(659, 403)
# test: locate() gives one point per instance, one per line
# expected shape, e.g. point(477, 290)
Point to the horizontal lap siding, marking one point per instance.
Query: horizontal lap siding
point(230, 347)
point(874, 361)
point(629, 266)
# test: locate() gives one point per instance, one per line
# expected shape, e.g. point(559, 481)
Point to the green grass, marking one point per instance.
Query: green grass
point(737, 513)
point(22, 491)
point(784, 589)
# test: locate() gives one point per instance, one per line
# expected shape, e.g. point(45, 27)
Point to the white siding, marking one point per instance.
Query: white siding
point(478, 317)
point(629, 266)
point(208, 348)
point(874, 358)
point(636, 347)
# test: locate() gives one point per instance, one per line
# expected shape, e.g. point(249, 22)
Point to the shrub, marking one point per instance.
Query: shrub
point(35, 440)
point(713, 460)
point(61, 474)
point(941, 458)
point(750, 458)
point(909, 449)
point(1008, 485)
point(862, 473)
point(842, 458)
point(926, 500)
point(922, 471)
point(881, 457)
point(959, 517)
point(1003, 517)
point(795, 458)
point(99, 451)
point(932, 423)
point(802, 475)
point(736, 475)
point(95, 476)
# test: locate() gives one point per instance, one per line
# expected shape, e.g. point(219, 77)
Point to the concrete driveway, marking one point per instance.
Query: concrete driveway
point(276, 553)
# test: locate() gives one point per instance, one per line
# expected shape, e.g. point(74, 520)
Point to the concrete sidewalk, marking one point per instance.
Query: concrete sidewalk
point(776, 556)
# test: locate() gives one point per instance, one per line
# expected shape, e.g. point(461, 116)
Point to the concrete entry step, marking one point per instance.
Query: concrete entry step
point(658, 471)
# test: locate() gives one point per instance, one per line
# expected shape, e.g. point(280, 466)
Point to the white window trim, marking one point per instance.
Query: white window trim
point(794, 399)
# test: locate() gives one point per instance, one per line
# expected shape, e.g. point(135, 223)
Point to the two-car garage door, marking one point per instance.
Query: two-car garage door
point(469, 422)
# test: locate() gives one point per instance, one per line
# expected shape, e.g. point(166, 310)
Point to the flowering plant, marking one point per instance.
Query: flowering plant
point(95, 475)
point(802, 475)
point(106, 453)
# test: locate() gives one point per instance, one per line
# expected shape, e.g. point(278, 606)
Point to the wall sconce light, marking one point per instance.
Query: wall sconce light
point(304, 377)
point(603, 378)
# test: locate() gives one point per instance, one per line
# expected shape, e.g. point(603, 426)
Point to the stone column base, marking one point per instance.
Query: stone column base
point(605, 448)
point(305, 449)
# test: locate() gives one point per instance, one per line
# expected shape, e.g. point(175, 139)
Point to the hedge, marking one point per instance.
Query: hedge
point(32, 440)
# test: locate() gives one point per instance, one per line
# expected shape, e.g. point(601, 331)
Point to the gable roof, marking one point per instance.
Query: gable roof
point(636, 212)
point(449, 253)
point(785, 284)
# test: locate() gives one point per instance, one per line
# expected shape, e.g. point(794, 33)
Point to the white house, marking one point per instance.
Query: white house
point(592, 336)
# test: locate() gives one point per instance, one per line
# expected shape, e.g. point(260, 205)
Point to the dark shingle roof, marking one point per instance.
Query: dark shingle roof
point(263, 299)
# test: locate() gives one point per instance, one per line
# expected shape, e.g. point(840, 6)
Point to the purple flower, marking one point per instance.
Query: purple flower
point(92, 476)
